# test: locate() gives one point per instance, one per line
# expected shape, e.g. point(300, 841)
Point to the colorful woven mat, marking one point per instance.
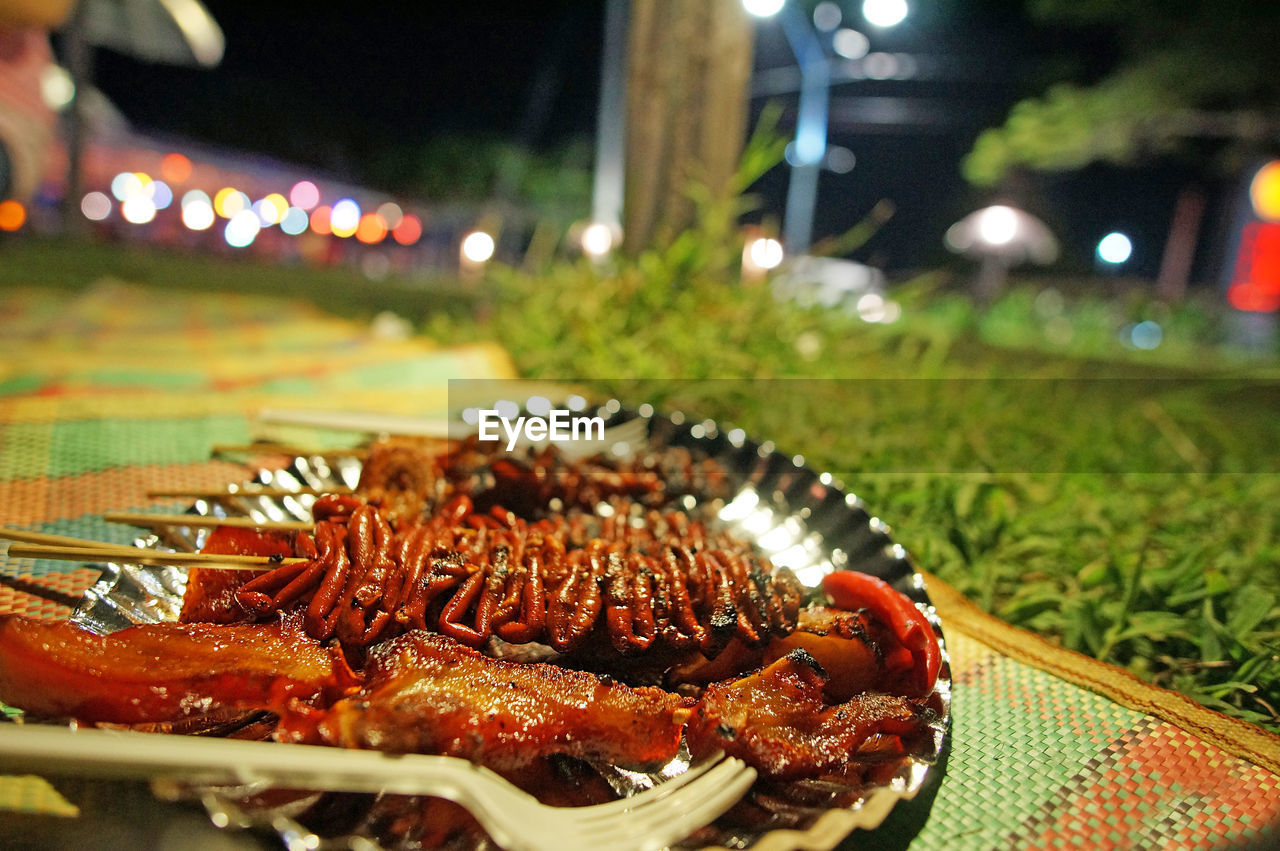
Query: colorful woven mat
point(1051, 749)
point(122, 390)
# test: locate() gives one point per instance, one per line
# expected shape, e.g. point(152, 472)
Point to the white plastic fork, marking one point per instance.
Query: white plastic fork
point(514, 819)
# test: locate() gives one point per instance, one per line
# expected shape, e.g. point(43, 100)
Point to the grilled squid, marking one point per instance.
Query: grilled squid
point(476, 575)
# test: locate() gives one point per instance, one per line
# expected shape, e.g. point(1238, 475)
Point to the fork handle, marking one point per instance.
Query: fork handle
point(191, 759)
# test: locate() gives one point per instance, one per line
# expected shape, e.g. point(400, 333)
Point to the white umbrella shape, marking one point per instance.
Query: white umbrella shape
point(1001, 237)
point(172, 32)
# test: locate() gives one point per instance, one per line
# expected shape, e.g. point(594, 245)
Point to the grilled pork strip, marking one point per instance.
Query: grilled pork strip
point(776, 720)
point(426, 693)
point(162, 672)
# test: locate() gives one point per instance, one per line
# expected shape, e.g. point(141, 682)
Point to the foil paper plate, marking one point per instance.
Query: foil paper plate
point(797, 517)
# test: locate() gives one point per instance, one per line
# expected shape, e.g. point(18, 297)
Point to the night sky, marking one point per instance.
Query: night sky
point(325, 84)
point(340, 87)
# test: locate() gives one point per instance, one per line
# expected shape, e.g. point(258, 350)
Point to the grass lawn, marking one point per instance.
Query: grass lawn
point(67, 264)
point(1123, 505)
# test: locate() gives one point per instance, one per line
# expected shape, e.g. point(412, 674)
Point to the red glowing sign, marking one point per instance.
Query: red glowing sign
point(1256, 284)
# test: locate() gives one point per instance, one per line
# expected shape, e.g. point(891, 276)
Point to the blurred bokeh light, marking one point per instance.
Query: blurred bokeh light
point(1115, 248)
point(344, 218)
point(197, 214)
point(765, 253)
point(477, 246)
point(1264, 192)
point(294, 221)
point(96, 206)
point(12, 215)
point(320, 220)
point(138, 209)
point(371, 229)
point(175, 168)
point(229, 201)
point(408, 231)
point(304, 195)
point(763, 8)
point(884, 13)
point(242, 229)
point(597, 239)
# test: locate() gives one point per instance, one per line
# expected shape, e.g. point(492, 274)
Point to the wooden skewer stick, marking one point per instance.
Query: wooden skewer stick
point(437, 427)
point(60, 540)
point(245, 491)
point(282, 449)
point(196, 521)
point(141, 556)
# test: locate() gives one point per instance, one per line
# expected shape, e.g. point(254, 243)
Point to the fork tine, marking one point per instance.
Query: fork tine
point(696, 814)
point(661, 790)
point(658, 822)
point(667, 794)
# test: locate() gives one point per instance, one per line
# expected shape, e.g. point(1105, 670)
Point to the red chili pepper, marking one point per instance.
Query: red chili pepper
point(852, 590)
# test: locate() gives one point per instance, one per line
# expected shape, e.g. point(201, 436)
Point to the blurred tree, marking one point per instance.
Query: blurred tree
point(1191, 75)
point(552, 183)
point(689, 62)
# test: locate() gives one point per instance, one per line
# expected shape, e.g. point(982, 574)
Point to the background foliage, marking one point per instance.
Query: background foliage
point(1132, 530)
point(1199, 78)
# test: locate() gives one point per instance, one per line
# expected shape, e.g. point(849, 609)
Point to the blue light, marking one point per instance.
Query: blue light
point(1146, 335)
point(763, 8)
point(1114, 248)
point(161, 194)
point(294, 221)
point(811, 144)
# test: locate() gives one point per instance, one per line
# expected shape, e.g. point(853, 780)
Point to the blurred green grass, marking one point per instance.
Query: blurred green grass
point(74, 264)
point(1121, 503)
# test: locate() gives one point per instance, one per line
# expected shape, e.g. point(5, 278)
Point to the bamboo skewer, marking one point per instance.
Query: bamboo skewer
point(150, 557)
point(368, 423)
point(284, 449)
point(87, 548)
point(66, 548)
point(47, 539)
point(245, 491)
point(196, 521)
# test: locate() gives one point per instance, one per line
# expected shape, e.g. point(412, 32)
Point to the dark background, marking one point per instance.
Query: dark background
point(359, 91)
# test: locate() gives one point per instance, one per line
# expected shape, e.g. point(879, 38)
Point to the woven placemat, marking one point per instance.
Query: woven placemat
point(124, 390)
point(1051, 749)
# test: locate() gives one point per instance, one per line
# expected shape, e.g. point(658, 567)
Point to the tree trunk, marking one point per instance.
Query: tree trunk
point(689, 63)
point(1180, 248)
